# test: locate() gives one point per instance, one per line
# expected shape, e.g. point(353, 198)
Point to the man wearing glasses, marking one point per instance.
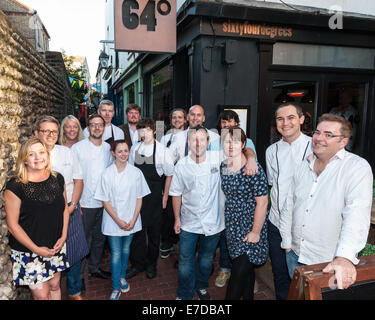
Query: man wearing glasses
point(326, 216)
point(94, 156)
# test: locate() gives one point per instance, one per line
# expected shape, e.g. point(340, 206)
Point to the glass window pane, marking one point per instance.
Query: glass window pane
point(323, 56)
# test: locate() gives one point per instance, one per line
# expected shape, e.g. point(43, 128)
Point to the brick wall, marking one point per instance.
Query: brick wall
point(29, 87)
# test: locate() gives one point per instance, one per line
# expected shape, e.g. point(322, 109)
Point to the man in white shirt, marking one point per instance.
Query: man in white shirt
point(94, 156)
point(199, 217)
point(111, 132)
point(282, 158)
point(326, 216)
point(64, 161)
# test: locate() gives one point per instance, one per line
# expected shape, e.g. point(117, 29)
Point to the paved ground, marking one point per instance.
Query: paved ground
point(162, 287)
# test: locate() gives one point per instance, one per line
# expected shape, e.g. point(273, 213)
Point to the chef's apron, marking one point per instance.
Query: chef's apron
point(151, 204)
point(111, 139)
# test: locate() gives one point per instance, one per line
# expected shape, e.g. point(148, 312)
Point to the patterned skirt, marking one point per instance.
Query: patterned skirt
point(30, 269)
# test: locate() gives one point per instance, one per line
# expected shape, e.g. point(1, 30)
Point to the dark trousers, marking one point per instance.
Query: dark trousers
point(242, 279)
point(279, 267)
point(144, 249)
point(168, 236)
point(92, 222)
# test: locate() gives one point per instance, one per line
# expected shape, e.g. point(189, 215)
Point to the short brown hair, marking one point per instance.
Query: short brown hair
point(93, 116)
point(346, 127)
point(293, 104)
point(133, 106)
point(45, 118)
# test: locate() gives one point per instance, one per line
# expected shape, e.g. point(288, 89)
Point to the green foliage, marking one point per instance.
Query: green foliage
point(368, 250)
point(78, 94)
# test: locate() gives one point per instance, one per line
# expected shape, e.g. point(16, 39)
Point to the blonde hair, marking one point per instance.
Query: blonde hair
point(21, 169)
point(62, 138)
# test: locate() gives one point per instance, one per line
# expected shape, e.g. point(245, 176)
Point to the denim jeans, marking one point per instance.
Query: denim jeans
point(292, 262)
point(224, 261)
point(279, 267)
point(120, 250)
point(73, 280)
point(193, 275)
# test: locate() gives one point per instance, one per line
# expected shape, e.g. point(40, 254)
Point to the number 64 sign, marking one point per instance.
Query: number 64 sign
point(145, 25)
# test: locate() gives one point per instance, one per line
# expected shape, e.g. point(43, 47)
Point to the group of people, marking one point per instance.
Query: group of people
point(195, 187)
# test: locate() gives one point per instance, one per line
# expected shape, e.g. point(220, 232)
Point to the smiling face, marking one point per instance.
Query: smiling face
point(232, 145)
point(198, 143)
point(96, 128)
point(178, 120)
point(48, 132)
point(121, 154)
point(71, 130)
point(37, 157)
point(195, 116)
point(288, 123)
point(327, 147)
point(225, 124)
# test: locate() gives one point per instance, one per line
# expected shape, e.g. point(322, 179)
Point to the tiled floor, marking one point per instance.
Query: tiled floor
point(162, 287)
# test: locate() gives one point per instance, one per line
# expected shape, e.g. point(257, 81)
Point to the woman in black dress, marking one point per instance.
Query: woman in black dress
point(37, 218)
point(245, 213)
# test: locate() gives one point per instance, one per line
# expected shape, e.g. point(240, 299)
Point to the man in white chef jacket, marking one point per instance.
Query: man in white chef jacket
point(94, 156)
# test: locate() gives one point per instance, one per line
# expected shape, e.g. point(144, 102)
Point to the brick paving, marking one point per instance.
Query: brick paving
point(162, 287)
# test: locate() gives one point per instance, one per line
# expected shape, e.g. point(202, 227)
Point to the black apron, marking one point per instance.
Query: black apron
point(151, 204)
point(111, 138)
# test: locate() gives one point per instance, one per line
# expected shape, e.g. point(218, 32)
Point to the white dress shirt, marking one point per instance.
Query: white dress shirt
point(202, 209)
point(93, 160)
point(134, 136)
point(122, 190)
point(64, 161)
point(328, 216)
point(282, 159)
point(117, 132)
point(163, 158)
point(178, 146)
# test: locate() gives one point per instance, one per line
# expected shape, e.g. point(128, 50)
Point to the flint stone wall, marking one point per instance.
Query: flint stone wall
point(29, 88)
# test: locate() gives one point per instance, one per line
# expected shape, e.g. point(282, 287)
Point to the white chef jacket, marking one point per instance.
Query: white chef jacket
point(163, 158)
point(134, 136)
point(282, 159)
point(202, 209)
point(117, 132)
point(328, 216)
point(93, 160)
point(178, 146)
point(64, 161)
point(122, 190)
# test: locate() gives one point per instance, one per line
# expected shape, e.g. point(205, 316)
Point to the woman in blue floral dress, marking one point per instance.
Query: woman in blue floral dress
point(245, 214)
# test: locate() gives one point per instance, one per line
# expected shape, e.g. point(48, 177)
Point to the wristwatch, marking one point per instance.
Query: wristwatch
point(73, 204)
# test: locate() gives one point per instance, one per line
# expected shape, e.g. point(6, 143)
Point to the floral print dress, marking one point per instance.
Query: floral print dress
point(240, 192)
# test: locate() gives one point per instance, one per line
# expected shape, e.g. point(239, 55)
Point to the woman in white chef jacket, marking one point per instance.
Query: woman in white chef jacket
point(121, 190)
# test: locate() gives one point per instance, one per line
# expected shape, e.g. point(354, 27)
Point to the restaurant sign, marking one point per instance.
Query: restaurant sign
point(247, 29)
point(145, 25)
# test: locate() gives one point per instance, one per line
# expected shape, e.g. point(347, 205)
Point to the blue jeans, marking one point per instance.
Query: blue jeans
point(120, 251)
point(224, 261)
point(292, 262)
point(279, 267)
point(194, 275)
point(73, 280)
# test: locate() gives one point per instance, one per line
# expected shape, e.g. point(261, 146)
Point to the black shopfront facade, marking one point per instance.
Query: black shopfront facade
point(252, 59)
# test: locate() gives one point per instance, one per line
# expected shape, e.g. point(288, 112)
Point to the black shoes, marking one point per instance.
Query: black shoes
point(101, 274)
point(151, 273)
point(132, 272)
point(165, 250)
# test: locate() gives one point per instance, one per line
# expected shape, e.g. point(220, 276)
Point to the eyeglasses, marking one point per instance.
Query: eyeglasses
point(96, 125)
point(49, 132)
point(326, 134)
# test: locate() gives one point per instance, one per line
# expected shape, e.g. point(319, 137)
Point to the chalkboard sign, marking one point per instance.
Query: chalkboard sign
point(310, 283)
